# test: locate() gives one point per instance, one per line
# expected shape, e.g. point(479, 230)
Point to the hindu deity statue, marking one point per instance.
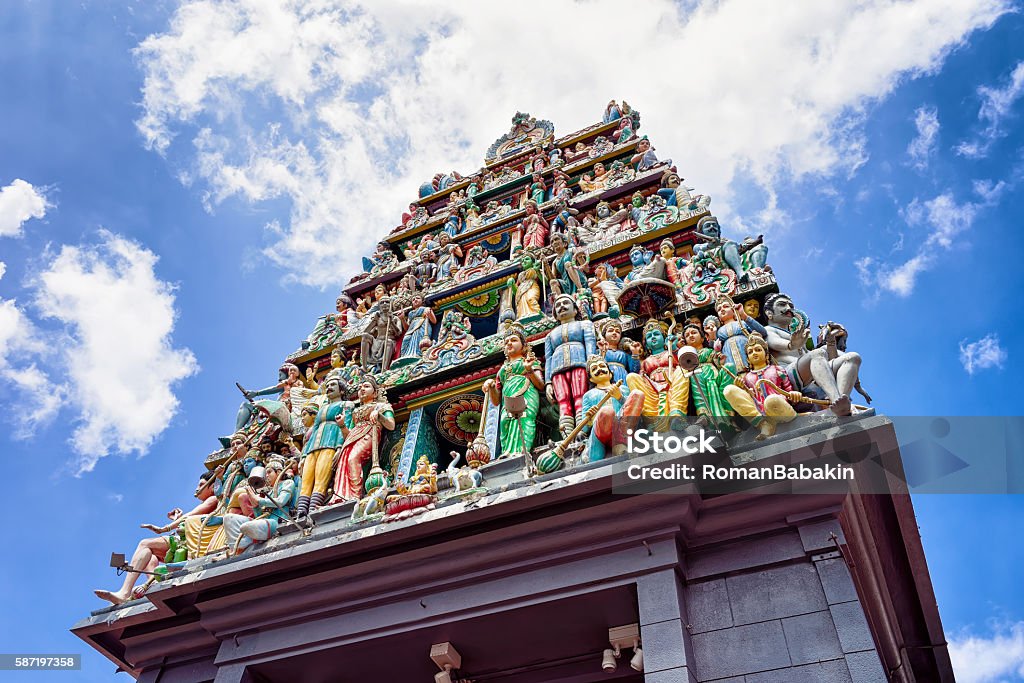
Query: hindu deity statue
point(535, 228)
point(621, 355)
point(664, 386)
point(835, 373)
point(606, 286)
point(736, 326)
point(726, 252)
point(382, 260)
point(560, 184)
point(377, 346)
point(565, 266)
point(449, 255)
point(151, 552)
point(453, 224)
point(273, 504)
point(423, 480)
point(675, 193)
point(525, 288)
point(566, 349)
point(318, 451)
point(610, 223)
point(368, 418)
point(753, 308)
point(288, 378)
point(764, 394)
point(594, 181)
point(516, 389)
point(538, 189)
point(565, 220)
point(673, 264)
point(701, 367)
point(645, 159)
point(645, 265)
point(611, 408)
point(612, 112)
point(336, 370)
point(420, 318)
point(711, 325)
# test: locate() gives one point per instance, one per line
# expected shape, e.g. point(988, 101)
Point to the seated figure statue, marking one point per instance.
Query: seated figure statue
point(835, 373)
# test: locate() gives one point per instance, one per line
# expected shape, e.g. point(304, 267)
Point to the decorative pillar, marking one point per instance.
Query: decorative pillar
point(419, 440)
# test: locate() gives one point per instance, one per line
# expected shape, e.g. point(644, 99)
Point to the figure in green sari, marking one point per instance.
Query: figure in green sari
point(707, 380)
point(515, 389)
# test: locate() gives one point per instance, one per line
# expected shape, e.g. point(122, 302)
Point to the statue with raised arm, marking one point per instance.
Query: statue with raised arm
point(151, 552)
point(664, 386)
point(273, 503)
point(735, 326)
point(835, 373)
point(371, 415)
point(288, 378)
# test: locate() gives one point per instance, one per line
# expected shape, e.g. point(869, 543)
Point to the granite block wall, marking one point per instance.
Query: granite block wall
point(781, 609)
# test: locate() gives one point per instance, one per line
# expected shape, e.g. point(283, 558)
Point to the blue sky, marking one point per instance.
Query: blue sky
point(198, 180)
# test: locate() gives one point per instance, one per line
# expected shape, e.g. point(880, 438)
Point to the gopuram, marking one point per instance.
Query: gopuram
point(437, 484)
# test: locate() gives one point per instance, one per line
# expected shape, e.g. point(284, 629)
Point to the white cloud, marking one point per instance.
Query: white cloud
point(20, 202)
point(344, 109)
point(34, 398)
point(982, 353)
point(995, 659)
point(922, 147)
point(996, 106)
point(118, 358)
point(944, 219)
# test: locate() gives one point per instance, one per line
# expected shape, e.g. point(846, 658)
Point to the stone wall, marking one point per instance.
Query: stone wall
point(778, 610)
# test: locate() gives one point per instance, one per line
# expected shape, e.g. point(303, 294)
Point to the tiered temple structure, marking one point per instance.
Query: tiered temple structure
point(435, 484)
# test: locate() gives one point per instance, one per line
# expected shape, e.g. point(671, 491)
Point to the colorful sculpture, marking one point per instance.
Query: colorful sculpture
point(377, 347)
point(417, 336)
point(525, 288)
point(764, 394)
point(665, 388)
point(535, 228)
point(319, 449)
point(834, 373)
point(273, 506)
point(515, 389)
point(566, 349)
point(368, 418)
point(621, 355)
point(735, 326)
point(611, 408)
point(546, 215)
point(726, 253)
point(645, 159)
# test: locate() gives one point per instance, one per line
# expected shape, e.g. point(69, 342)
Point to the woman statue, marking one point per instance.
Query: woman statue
point(420, 319)
point(520, 377)
point(535, 228)
point(526, 288)
point(362, 439)
point(538, 189)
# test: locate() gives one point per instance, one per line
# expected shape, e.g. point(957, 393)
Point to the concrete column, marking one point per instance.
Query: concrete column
point(663, 634)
